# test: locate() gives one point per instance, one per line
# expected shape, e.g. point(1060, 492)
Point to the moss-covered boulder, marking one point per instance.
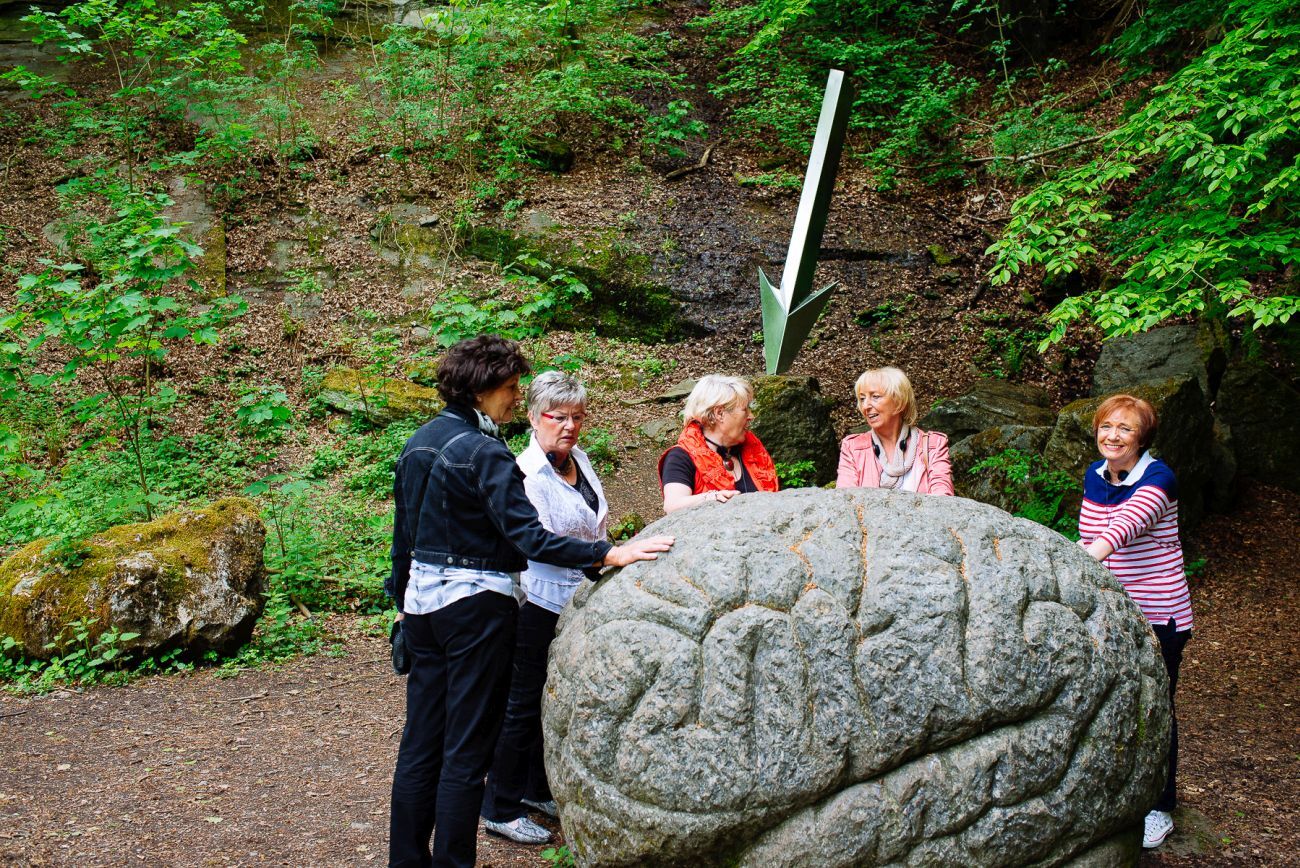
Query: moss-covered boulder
point(191, 580)
point(625, 301)
point(381, 400)
point(793, 419)
point(1184, 440)
point(995, 484)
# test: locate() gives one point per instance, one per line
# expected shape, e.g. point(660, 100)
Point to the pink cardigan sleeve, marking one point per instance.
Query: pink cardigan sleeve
point(847, 476)
point(938, 464)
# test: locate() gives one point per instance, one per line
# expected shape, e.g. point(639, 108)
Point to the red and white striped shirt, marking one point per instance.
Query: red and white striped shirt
point(1138, 517)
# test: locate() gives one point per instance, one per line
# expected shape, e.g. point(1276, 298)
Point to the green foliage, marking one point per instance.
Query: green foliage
point(903, 95)
point(264, 410)
point(1006, 350)
point(795, 474)
point(95, 488)
point(1193, 197)
point(1159, 35)
point(113, 325)
point(165, 61)
point(1027, 130)
point(600, 446)
point(559, 857)
point(485, 80)
point(548, 291)
point(666, 133)
point(886, 315)
point(1035, 491)
point(77, 659)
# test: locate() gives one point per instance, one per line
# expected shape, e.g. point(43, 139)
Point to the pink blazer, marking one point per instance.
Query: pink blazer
point(859, 467)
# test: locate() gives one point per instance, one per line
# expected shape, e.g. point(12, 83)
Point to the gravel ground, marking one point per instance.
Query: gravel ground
point(291, 765)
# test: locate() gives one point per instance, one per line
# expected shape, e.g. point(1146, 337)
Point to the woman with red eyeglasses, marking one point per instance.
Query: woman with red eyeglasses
point(562, 485)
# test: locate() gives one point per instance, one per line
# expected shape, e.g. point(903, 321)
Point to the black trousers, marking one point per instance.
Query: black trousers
point(518, 770)
point(1172, 643)
point(455, 699)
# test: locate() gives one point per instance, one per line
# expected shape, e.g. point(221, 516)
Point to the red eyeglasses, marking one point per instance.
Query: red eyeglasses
point(561, 419)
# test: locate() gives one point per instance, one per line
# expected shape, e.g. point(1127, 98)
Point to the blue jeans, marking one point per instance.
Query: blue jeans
point(455, 700)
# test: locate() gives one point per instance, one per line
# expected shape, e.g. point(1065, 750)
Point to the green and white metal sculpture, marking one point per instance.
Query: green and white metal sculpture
point(790, 310)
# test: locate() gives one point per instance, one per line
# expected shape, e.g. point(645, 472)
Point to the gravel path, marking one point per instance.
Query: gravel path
point(291, 765)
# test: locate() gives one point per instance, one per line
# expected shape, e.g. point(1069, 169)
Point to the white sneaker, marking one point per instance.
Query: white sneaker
point(1157, 827)
point(548, 807)
point(522, 831)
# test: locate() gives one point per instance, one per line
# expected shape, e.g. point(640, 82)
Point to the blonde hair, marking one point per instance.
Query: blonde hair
point(895, 385)
point(712, 393)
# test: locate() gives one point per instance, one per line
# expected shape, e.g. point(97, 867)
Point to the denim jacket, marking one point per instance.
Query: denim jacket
point(460, 500)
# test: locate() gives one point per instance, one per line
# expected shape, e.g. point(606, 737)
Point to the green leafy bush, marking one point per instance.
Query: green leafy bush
point(114, 325)
point(486, 80)
point(1035, 491)
point(904, 95)
point(795, 474)
point(548, 292)
point(1192, 198)
point(77, 659)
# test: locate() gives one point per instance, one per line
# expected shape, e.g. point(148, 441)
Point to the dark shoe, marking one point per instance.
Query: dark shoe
point(548, 807)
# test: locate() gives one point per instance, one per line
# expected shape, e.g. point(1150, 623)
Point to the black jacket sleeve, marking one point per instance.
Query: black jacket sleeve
point(410, 479)
point(501, 488)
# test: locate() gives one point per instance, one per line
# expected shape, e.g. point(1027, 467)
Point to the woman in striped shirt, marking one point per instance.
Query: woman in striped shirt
point(1129, 522)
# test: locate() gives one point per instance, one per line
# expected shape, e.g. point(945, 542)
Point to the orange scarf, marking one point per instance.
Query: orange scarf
point(711, 474)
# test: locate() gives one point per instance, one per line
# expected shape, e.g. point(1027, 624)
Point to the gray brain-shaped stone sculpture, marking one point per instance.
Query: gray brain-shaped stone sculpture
point(858, 677)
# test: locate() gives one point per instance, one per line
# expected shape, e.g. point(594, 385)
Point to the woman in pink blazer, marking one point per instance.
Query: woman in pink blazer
point(894, 453)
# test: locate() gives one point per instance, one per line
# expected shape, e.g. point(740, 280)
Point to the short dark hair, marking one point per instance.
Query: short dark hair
point(478, 365)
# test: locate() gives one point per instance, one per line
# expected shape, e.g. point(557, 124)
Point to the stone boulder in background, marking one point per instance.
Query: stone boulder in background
point(191, 580)
point(793, 419)
point(855, 677)
point(990, 486)
point(1263, 413)
point(990, 404)
point(1184, 441)
point(1171, 352)
point(382, 400)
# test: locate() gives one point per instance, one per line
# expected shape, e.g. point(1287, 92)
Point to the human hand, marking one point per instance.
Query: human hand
point(719, 496)
point(637, 550)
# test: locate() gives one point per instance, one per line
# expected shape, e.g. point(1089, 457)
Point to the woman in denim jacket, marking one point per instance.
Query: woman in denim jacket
point(463, 530)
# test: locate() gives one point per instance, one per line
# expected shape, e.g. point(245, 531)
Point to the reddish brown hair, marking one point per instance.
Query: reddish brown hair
point(1147, 421)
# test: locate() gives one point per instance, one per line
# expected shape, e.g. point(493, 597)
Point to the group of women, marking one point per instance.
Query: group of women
point(488, 549)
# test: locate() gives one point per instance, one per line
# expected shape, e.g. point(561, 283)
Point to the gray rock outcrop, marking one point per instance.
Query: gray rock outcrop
point(855, 677)
point(793, 419)
point(191, 580)
point(1161, 354)
point(990, 404)
point(1263, 413)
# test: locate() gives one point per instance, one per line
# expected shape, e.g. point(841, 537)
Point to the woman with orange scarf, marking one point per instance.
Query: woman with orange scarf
point(716, 456)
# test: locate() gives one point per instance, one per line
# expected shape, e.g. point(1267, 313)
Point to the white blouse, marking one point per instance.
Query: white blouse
point(562, 510)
